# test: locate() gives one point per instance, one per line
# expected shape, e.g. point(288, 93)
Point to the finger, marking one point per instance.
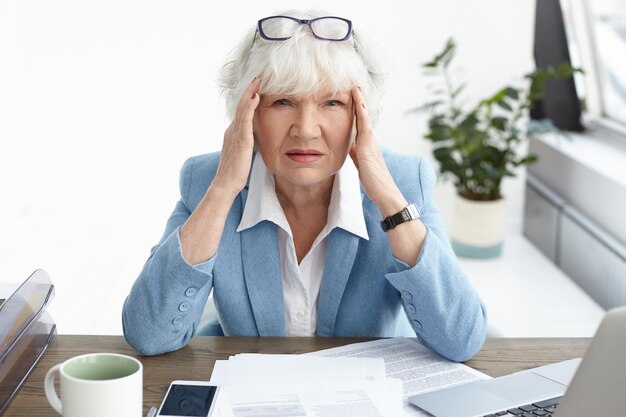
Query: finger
point(363, 121)
point(252, 89)
point(248, 114)
point(247, 105)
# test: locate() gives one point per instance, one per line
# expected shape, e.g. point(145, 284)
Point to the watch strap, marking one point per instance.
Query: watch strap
point(410, 212)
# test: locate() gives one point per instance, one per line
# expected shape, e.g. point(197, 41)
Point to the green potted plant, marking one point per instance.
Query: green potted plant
point(478, 147)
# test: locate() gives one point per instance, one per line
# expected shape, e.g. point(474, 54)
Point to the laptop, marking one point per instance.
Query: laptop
point(593, 386)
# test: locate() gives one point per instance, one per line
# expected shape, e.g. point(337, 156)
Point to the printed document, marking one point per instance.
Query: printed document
point(258, 385)
point(349, 398)
point(419, 369)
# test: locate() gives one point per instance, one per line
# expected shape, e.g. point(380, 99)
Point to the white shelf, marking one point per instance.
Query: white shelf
point(528, 296)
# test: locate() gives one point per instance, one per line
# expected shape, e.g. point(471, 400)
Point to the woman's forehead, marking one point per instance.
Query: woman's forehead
point(320, 93)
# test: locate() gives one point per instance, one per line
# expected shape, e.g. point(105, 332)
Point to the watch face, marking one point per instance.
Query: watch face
point(413, 211)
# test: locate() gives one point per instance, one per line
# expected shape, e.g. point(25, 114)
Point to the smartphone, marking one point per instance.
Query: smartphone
point(189, 398)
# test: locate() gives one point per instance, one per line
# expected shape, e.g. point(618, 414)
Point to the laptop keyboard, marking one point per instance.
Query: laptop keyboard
point(538, 409)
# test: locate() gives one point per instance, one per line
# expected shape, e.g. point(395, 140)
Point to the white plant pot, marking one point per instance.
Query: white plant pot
point(478, 227)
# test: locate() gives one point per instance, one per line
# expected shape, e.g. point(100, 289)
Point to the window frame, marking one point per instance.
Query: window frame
point(579, 26)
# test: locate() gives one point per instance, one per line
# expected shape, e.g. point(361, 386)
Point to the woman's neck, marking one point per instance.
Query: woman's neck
point(302, 200)
point(306, 210)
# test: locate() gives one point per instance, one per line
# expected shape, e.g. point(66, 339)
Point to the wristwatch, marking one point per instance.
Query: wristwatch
point(410, 212)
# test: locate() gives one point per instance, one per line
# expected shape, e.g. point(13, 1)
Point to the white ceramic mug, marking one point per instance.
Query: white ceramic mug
point(97, 385)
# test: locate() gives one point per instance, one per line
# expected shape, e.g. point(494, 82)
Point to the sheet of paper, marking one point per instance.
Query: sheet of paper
point(256, 385)
point(353, 398)
point(256, 367)
point(419, 369)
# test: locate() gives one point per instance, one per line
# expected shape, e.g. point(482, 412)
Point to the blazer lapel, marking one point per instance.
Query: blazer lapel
point(340, 254)
point(261, 265)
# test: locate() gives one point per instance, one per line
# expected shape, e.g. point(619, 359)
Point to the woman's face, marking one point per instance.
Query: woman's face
point(304, 140)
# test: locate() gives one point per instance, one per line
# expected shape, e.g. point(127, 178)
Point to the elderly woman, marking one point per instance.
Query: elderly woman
point(293, 237)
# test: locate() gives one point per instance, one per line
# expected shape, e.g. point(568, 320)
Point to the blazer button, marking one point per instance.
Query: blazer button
point(191, 291)
point(417, 325)
point(410, 308)
point(406, 295)
point(184, 306)
point(177, 320)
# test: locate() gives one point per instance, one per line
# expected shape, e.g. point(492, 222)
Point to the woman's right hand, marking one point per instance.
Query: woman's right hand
point(200, 235)
point(236, 158)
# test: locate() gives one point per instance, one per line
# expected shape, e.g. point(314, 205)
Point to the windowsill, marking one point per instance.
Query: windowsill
point(597, 148)
point(588, 171)
point(527, 295)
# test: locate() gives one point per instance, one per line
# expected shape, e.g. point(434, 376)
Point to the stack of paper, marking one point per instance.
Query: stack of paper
point(419, 369)
point(295, 385)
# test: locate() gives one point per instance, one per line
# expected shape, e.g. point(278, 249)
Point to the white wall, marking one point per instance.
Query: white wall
point(101, 102)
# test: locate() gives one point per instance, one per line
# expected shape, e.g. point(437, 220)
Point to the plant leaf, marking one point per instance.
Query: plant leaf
point(444, 56)
point(458, 90)
point(496, 98)
point(504, 105)
point(438, 133)
point(512, 93)
point(469, 122)
point(500, 123)
point(530, 159)
point(438, 120)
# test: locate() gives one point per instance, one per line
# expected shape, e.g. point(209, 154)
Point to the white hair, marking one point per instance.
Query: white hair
point(302, 65)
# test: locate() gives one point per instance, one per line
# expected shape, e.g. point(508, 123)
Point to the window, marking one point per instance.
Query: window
point(608, 22)
point(597, 37)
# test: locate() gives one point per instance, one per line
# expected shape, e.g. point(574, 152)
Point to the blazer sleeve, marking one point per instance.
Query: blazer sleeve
point(166, 302)
point(444, 309)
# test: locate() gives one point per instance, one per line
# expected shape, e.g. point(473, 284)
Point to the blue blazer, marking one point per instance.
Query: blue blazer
point(365, 290)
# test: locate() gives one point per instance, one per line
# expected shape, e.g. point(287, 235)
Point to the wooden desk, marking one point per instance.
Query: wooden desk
point(195, 362)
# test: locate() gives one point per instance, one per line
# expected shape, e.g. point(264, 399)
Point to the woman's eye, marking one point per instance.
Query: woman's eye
point(334, 103)
point(281, 102)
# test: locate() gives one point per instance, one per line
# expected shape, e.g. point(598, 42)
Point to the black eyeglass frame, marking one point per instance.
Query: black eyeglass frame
point(304, 22)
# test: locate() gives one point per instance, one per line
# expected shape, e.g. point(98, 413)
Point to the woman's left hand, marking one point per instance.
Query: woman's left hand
point(368, 159)
point(407, 239)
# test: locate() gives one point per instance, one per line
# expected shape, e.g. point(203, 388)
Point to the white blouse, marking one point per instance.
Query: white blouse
point(301, 283)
